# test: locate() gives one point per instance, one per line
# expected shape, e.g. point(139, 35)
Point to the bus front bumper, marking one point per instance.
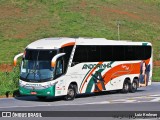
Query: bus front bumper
point(38, 92)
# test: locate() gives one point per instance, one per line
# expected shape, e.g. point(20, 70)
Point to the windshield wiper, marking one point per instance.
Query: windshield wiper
point(37, 68)
point(30, 72)
point(37, 73)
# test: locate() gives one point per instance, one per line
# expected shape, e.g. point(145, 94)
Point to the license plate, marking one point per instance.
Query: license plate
point(33, 93)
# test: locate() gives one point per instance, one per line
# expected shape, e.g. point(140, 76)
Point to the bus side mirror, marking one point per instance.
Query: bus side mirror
point(16, 57)
point(54, 59)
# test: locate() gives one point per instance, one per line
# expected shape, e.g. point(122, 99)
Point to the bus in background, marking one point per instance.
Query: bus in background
point(70, 66)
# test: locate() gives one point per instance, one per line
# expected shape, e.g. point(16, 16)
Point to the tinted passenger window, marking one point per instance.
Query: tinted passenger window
point(118, 53)
point(93, 53)
point(111, 53)
point(106, 53)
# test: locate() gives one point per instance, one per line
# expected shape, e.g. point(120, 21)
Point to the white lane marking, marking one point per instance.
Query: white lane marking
point(124, 101)
point(156, 100)
point(102, 102)
point(148, 98)
point(145, 119)
point(139, 97)
point(49, 105)
point(158, 95)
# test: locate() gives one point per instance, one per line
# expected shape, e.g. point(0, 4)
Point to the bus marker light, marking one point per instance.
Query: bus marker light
point(53, 64)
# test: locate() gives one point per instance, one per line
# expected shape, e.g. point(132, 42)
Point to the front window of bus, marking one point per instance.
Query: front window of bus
point(36, 65)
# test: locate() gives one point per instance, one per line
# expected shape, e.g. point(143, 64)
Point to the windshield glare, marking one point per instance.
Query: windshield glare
point(37, 65)
point(39, 70)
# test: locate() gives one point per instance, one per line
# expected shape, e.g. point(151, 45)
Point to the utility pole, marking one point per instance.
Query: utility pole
point(118, 26)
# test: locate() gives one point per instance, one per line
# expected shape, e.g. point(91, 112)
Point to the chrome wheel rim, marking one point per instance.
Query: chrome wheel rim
point(70, 93)
point(126, 86)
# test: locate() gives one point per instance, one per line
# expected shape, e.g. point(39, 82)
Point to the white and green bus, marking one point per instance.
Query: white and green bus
point(70, 66)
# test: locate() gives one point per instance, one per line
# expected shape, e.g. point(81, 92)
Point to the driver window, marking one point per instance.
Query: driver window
point(59, 69)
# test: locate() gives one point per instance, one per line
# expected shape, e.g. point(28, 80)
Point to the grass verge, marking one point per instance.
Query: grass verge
point(9, 82)
point(156, 74)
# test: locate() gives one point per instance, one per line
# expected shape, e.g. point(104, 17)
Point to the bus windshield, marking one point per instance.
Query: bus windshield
point(36, 65)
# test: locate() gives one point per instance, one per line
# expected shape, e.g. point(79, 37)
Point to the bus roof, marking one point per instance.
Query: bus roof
point(56, 43)
point(51, 43)
point(103, 41)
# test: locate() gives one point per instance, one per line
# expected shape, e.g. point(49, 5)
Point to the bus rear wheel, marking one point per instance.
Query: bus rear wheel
point(134, 86)
point(71, 93)
point(125, 88)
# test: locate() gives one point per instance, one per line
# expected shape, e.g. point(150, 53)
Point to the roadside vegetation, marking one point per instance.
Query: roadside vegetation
point(24, 21)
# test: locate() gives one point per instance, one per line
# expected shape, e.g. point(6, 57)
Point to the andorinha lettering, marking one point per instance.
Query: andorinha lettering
point(100, 66)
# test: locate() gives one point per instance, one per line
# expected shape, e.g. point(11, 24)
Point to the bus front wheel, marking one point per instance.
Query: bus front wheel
point(71, 93)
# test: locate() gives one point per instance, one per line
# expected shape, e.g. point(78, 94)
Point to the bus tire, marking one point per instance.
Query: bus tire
point(125, 88)
point(42, 98)
point(134, 86)
point(71, 92)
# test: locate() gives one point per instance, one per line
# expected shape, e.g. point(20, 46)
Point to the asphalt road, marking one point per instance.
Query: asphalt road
point(145, 99)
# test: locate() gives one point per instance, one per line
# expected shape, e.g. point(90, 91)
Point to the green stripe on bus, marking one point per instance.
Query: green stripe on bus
point(43, 92)
point(85, 77)
point(91, 83)
point(144, 44)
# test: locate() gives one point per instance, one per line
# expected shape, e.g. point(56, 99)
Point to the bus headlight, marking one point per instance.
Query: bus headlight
point(50, 84)
point(21, 83)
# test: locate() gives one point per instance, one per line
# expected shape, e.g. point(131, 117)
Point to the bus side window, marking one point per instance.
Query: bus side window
point(59, 67)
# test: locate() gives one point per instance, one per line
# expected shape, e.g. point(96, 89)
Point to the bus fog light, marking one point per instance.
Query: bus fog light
point(48, 92)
